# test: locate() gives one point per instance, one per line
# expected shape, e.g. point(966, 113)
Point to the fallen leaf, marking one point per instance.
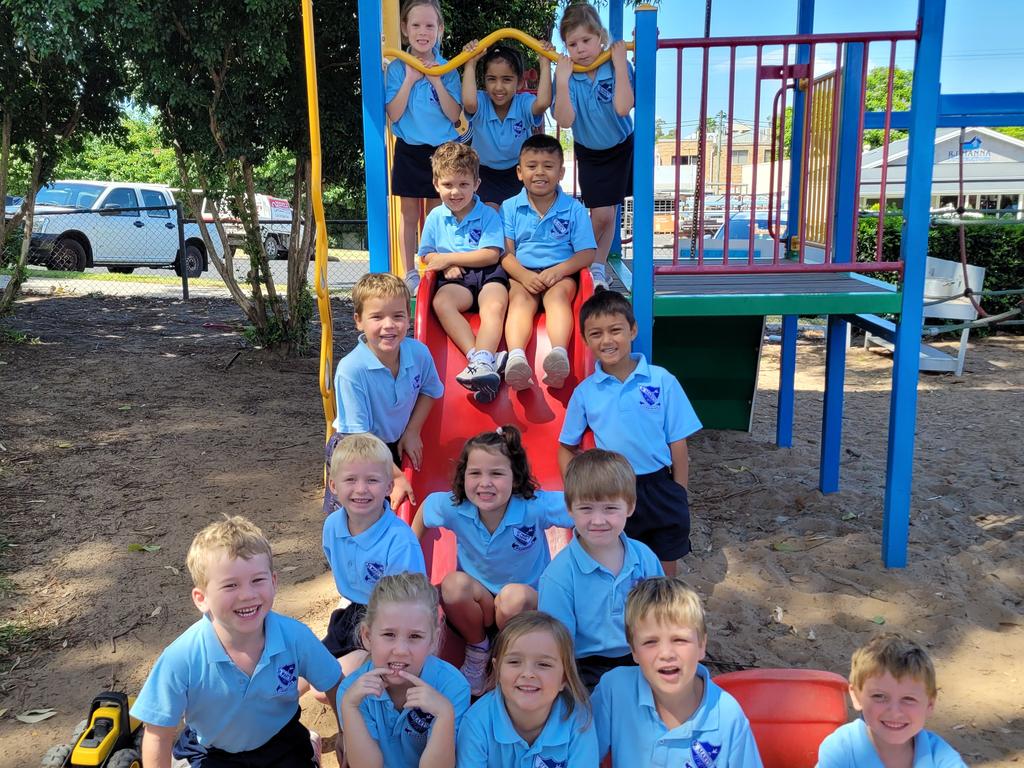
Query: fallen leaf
point(784, 546)
point(172, 569)
point(289, 568)
point(34, 716)
point(65, 445)
point(3, 711)
point(124, 408)
point(811, 635)
point(156, 612)
point(143, 547)
point(879, 620)
point(777, 613)
point(850, 516)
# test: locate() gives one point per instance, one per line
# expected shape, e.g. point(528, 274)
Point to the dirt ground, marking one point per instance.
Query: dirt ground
point(137, 422)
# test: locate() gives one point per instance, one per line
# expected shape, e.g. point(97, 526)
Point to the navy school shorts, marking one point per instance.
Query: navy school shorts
point(606, 175)
point(662, 516)
point(411, 174)
point(343, 630)
point(330, 500)
point(592, 668)
point(288, 748)
point(498, 184)
point(475, 279)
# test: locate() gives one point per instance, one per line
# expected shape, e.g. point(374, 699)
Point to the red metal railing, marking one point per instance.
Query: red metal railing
point(799, 248)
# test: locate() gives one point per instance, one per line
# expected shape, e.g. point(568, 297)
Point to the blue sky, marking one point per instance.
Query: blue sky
point(983, 50)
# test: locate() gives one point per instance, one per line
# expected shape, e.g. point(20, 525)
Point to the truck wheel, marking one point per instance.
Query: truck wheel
point(56, 756)
point(272, 247)
point(192, 263)
point(121, 270)
point(125, 758)
point(67, 256)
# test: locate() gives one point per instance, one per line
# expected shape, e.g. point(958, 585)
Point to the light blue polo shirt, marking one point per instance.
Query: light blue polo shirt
point(590, 600)
point(597, 126)
point(371, 400)
point(637, 417)
point(358, 562)
point(541, 242)
point(517, 552)
point(498, 141)
point(423, 122)
point(487, 739)
point(480, 228)
point(850, 747)
point(402, 735)
point(195, 678)
point(717, 735)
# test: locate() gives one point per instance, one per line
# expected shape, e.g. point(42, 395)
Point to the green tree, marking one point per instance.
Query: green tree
point(138, 155)
point(875, 100)
point(1016, 131)
point(61, 78)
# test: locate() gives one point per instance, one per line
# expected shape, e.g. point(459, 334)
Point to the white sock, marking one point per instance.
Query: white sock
point(597, 269)
point(562, 349)
point(481, 356)
point(517, 353)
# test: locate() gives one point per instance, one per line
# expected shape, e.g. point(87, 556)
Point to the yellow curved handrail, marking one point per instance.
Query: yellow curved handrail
point(507, 33)
point(323, 298)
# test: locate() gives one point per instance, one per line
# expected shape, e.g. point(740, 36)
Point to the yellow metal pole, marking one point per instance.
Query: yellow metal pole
point(323, 299)
point(390, 19)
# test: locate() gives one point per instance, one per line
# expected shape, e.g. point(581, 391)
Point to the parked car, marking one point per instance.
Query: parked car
point(118, 235)
point(275, 216)
point(11, 201)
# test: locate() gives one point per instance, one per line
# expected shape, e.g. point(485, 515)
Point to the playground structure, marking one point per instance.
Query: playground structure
point(710, 294)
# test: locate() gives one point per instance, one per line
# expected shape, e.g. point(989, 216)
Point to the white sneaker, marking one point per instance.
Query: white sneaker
point(485, 381)
point(599, 278)
point(412, 281)
point(518, 372)
point(556, 368)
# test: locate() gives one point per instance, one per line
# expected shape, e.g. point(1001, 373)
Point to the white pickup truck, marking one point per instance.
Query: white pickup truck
point(94, 225)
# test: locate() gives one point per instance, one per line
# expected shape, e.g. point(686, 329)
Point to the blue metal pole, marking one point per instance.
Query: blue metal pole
point(374, 125)
point(924, 100)
point(842, 251)
point(787, 383)
point(643, 178)
point(787, 363)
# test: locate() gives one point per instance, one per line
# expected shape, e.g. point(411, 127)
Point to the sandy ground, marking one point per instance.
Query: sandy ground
point(129, 422)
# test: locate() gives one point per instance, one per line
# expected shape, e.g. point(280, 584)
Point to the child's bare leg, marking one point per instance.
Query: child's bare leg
point(513, 600)
point(558, 309)
point(468, 606)
point(603, 221)
point(493, 301)
point(522, 306)
point(450, 302)
point(408, 229)
point(349, 663)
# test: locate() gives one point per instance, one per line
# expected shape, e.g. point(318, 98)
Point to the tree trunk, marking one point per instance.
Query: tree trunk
point(10, 291)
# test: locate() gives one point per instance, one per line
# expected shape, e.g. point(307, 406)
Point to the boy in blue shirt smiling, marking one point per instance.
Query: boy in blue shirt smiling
point(667, 711)
point(387, 384)
point(463, 240)
point(363, 539)
point(548, 240)
point(585, 586)
point(641, 411)
point(233, 675)
point(892, 684)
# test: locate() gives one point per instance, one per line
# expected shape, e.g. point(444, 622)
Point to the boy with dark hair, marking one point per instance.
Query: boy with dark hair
point(548, 240)
point(641, 411)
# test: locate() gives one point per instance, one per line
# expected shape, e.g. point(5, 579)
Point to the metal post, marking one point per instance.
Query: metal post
point(643, 178)
point(847, 158)
point(924, 100)
point(787, 363)
point(374, 124)
point(181, 250)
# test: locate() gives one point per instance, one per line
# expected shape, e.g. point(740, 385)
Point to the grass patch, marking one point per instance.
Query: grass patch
point(16, 637)
point(7, 588)
point(11, 336)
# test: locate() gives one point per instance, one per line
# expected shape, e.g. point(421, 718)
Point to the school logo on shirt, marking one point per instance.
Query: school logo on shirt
point(418, 722)
point(518, 128)
point(286, 678)
point(703, 755)
point(416, 381)
point(474, 235)
point(524, 537)
point(604, 91)
point(433, 96)
point(560, 227)
point(650, 396)
point(549, 762)
point(373, 572)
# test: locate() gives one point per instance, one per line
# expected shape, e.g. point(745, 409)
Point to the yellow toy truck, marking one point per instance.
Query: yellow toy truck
point(108, 738)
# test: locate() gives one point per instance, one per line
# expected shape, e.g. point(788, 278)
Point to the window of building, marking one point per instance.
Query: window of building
point(740, 156)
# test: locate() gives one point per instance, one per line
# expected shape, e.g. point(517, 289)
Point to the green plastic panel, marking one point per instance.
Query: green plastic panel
point(716, 360)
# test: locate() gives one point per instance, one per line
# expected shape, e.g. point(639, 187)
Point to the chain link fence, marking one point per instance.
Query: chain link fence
point(154, 251)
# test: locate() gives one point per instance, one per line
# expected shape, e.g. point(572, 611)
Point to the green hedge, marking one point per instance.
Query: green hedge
point(998, 247)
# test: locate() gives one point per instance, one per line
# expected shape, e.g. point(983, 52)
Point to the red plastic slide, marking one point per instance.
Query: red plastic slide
point(538, 412)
